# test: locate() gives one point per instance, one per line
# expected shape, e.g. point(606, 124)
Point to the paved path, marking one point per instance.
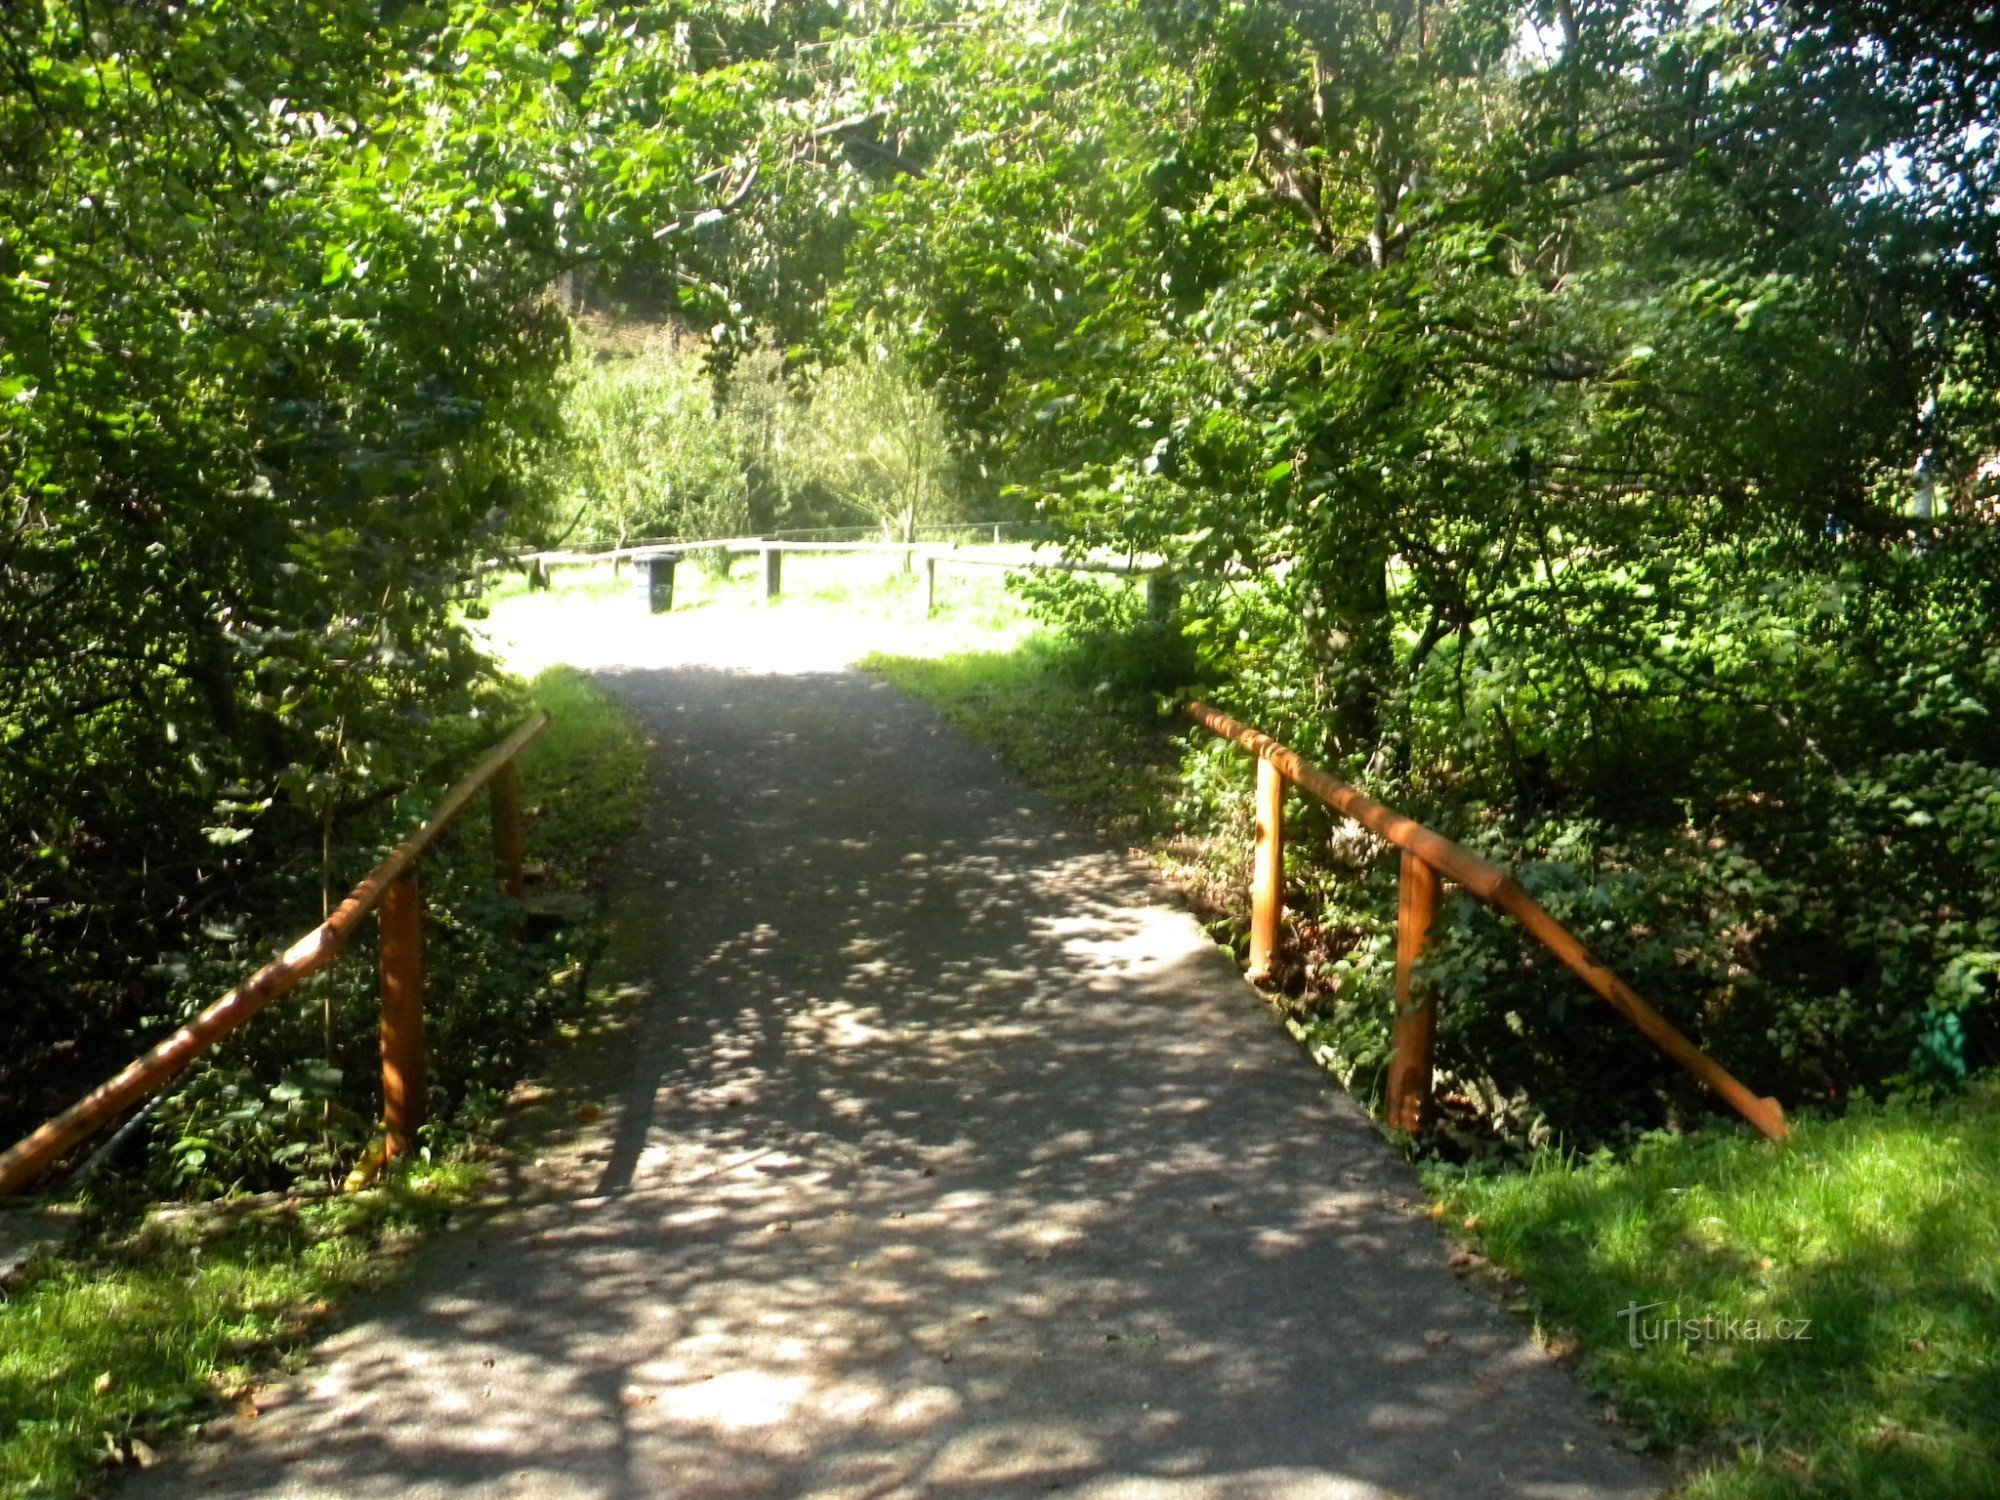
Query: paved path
point(953, 1161)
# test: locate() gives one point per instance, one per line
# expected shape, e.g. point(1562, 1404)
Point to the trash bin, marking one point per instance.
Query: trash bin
point(657, 568)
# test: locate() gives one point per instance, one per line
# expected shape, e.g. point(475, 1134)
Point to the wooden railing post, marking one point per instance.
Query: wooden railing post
point(1493, 885)
point(1267, 870)
point(774, 572)
point(27, 1159)
point(1415, 1028)
point(930, 587)
point(404, 1064)
point(509, 845)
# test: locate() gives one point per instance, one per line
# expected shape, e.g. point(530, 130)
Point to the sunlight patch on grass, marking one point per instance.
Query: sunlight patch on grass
point(586, 774)
point(833, 610)
point(109, 1350)
point(1880, 1231)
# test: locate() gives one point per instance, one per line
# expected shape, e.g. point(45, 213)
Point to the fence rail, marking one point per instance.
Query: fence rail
point(390, 887)
point(659, 562)
point(797, 539)
point(1427, 855)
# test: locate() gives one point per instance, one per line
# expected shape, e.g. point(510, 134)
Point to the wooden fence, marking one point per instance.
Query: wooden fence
point(1428, 856)
point(658, 563)
point(391, 888)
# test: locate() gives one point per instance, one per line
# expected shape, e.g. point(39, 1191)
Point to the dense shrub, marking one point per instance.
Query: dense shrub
point(267, 383)
point(1778, 824)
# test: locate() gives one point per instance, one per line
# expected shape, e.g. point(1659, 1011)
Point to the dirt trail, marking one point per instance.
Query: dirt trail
point(951, 1160)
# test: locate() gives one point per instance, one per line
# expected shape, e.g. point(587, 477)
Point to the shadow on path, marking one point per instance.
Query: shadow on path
point(952, 1160)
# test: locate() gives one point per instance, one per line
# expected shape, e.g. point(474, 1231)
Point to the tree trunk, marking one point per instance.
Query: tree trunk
point(1355, 643)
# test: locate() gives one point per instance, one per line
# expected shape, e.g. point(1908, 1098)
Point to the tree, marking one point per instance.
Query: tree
point(277, 367)
point(651, 453)
point(1541, 391)
point(878, 439)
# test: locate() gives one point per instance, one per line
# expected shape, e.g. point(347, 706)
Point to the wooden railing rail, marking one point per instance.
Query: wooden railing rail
point(800, 539)
point(1426, 855)
point(659, 562)
point(391, 886)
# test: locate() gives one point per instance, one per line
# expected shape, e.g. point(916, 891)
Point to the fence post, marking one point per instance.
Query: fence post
point(1162, 595)
point(930, 587)
point(774, 567)
point(1415, 1027)
point(509, 845)
point(404, 1064)
point(1267, 870)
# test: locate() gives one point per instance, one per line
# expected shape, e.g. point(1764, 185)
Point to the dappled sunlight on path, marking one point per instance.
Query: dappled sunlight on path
point(952, 1160)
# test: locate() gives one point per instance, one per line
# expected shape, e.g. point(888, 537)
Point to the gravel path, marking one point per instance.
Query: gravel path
point(951, 1160)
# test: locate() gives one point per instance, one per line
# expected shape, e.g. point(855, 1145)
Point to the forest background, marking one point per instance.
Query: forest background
point(1574, 421)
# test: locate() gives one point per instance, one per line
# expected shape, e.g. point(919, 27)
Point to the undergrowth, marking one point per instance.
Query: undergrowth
point(158, 1316)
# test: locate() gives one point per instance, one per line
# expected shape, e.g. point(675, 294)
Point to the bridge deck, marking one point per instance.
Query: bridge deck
point(951, 1160)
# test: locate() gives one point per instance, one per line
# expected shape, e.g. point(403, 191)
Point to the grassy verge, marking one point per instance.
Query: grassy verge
point(149, 1329)
point(157, 1319)
point(1852, 1276)
point(586, 774)
point(1108, 761)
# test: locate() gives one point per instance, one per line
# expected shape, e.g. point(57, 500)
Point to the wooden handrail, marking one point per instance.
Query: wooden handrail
point(1497, 888)
point(1040, 564)
point(28, 1158)
point(568, 557)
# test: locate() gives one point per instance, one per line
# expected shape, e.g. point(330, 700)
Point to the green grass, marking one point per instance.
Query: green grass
point(153, 1321)
point(585, 776)
point(1881, 1228)
point(108, 1350)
